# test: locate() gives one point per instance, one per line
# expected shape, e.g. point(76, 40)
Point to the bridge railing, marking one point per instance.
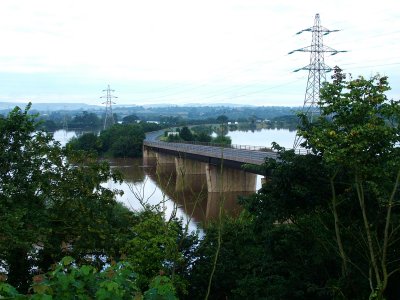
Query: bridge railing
point(190, 145)
point(300, 151)
point(254, 157)
point(232, 146)
point(153, 136)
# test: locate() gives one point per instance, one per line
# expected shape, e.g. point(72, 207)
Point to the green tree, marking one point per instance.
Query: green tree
point(51, 205)
point(160, 247)
point(130, 119)
point(203, 137)
point(358, 133)
point(85, 120)
point(222, 119)
point(186, 134)
point(86, 142)
point(224, 140)
point(122, 140)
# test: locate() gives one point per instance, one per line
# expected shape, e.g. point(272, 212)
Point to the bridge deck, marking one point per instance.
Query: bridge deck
point(237, 155)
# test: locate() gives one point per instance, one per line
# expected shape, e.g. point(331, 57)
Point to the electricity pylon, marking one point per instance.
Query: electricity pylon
point(109, 117)
point(316, 69)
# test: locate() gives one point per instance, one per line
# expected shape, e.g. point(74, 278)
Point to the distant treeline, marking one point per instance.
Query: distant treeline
point(274, 117)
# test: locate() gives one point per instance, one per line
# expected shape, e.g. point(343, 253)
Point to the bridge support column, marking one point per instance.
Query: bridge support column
point(190, 174)
point(149, 156)
point(189, 166)
point(165, 163)
point(229, 180)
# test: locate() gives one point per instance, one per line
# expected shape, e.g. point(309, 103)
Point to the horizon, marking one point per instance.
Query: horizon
point(154, 105)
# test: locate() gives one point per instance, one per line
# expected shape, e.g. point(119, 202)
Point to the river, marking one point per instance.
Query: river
point(143, 186)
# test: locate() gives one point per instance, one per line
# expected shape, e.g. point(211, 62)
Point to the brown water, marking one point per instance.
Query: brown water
point(185, 197)
point(188, 197)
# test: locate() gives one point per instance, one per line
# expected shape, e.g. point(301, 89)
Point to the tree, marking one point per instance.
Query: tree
point(122, 140)
point(358, 134)
point(51, 204)
point(204, 137)
point(186, 134)
point(85, 120)
point(223, 140)
point(130, 119)
point(222, 119)
point(86, 142)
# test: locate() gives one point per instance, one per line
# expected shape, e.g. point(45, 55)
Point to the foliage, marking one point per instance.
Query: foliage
point(86, 142)
point(173, 138)
point(87, 120)
point(161, 288)
point(51, 205)
point(224, 140)
point(68, 281)
point(357, 135)
point(202, 129)
point(258, 262)
point(49, 125)
point(116, 141)
point(316, 227)
point(148, 127)
point(222, 119)
point(186, 134)
point(119, 140)
point(122, 140)
point(203, 137)
point(160, 247)
point(130, 119)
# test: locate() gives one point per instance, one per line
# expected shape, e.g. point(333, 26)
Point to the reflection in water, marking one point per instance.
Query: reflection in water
point(145, 182)
point(129, 168)
point(185, 196)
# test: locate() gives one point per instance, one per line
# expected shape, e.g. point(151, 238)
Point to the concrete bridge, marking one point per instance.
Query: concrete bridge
point(222, 166)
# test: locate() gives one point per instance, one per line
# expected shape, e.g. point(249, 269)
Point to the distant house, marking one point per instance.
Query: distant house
point(172, 133)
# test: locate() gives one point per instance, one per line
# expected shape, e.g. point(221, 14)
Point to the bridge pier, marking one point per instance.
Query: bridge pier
point(149, 156)
point(165, 163)
point(229, 180)
point(190, 174)
point(189, 166)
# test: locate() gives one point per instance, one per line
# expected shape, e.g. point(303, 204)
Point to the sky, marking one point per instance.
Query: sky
point(185, 51)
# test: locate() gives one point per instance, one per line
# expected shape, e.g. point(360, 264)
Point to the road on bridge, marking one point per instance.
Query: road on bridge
point(256, 157)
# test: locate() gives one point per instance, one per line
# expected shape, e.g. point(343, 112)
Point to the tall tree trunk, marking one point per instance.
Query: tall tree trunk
point(337, 229)
point(371, 249)
point(386, 234)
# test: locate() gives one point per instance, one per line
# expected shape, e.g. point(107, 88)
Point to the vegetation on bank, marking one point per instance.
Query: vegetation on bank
point(324, 226)
point(200, 133)
point(119, 140)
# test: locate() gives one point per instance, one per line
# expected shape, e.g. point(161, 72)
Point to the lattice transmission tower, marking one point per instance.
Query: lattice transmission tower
point(317, 68)
point(109, 117)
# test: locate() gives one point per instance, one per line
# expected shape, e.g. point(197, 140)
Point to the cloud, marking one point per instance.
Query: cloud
point(195, 45)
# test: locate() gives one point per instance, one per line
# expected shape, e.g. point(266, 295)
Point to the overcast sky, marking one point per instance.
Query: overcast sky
point(184, 51)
